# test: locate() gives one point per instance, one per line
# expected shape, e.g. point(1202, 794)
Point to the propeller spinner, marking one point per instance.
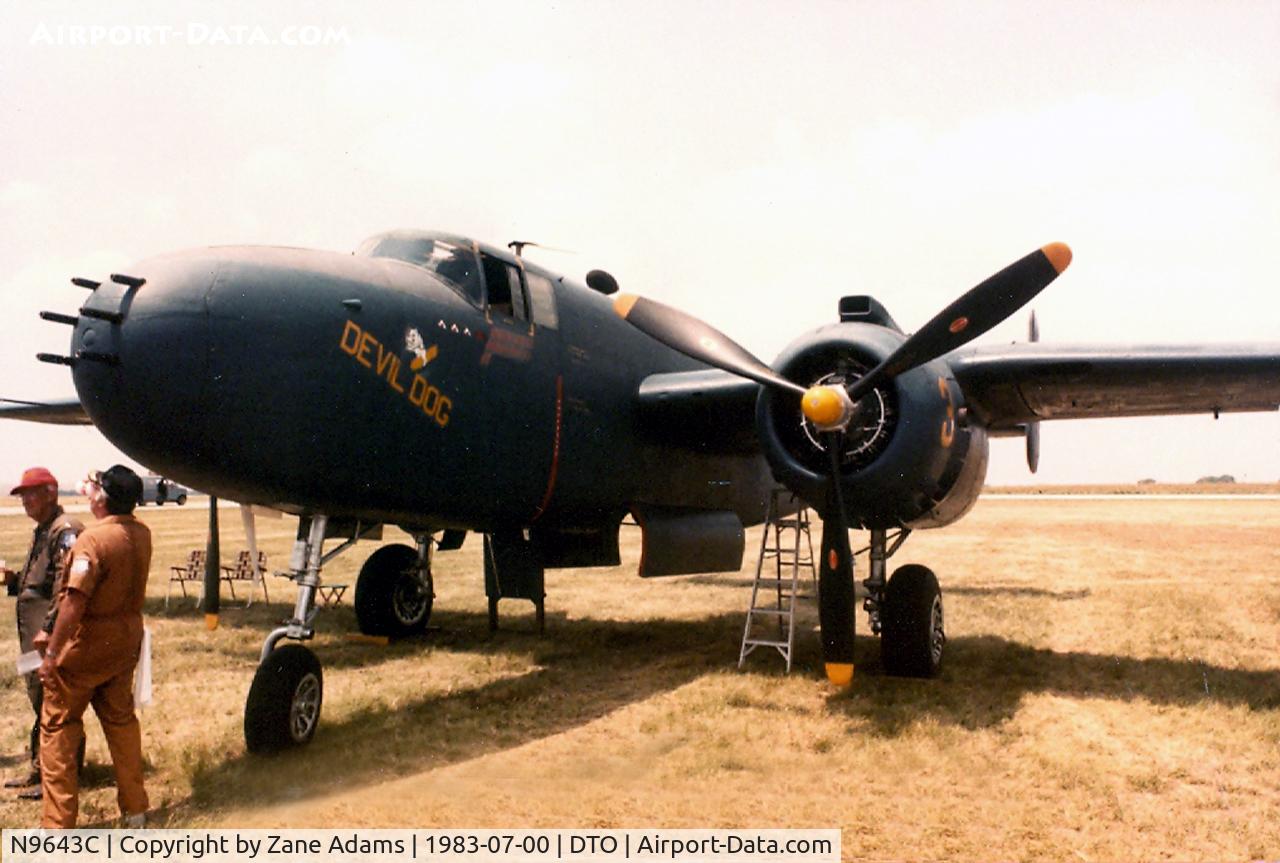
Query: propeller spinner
point(830, 407)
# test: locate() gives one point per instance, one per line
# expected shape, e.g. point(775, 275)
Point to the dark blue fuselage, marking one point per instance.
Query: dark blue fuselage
point(369, 387)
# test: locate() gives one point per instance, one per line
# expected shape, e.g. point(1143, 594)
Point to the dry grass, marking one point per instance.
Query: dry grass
point(1112, 693)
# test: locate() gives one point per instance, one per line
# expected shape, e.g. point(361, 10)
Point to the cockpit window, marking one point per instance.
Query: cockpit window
point(506, 293)
point(453, 263)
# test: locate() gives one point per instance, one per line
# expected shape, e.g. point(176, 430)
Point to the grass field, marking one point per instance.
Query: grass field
point(1112, 692)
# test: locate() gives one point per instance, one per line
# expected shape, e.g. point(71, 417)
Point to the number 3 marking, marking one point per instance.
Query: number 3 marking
point(948, 424)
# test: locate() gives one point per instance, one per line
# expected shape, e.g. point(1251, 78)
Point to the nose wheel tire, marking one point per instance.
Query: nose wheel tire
point(391, 598)
point(283, 707)
point(912, 638)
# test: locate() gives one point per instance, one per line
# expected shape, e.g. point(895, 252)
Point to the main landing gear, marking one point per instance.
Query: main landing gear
point(905, 611)
point(393, 598)
point(394, 591)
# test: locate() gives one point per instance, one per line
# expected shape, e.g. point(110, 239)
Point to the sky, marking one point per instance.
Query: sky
point(749, 162)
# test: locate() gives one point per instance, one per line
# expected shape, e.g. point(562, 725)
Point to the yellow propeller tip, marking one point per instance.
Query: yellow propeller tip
point(840, 673)
point(211, 622)
point(1059, 254)
point(623, 304)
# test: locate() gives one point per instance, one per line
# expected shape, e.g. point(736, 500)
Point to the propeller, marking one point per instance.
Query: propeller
point(830, 407)
point(697, 340)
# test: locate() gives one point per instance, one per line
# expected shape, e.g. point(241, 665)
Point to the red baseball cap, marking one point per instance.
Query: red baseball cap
point(33, 477)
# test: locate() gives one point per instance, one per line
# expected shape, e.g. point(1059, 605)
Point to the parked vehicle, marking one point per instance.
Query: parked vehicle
point(158, 490)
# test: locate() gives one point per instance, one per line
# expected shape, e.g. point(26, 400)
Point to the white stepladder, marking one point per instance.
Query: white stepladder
point(787, 542)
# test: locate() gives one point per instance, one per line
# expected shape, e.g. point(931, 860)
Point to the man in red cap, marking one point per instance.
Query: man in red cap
point(35, 587)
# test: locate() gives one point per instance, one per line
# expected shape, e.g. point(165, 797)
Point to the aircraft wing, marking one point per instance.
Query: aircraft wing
point(707, 410)
point(66, 412)
point(1010, 385)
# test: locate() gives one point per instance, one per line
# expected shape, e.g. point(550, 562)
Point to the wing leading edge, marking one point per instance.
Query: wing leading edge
point(1011, 385)
point(66, 412)
point(706, 410)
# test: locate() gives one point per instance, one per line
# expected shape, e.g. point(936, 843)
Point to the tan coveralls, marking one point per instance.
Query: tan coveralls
point(41, 581)
point(109, 566)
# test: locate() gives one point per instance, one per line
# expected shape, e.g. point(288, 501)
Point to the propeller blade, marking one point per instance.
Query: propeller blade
point(697, 340)
point(837, 607)
point(973, 314)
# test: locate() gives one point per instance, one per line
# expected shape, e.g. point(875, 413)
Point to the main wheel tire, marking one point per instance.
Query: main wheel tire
point(283, 707)
point(912, 634)
point(390, 600)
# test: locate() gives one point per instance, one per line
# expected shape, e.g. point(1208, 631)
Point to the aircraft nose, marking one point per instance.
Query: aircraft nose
point(140, 350)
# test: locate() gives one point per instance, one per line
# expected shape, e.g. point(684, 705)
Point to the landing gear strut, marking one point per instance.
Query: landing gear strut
point(283, 706)
point(905, 611)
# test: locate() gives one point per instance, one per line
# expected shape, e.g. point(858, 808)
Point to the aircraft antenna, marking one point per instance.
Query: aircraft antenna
point(518, 247)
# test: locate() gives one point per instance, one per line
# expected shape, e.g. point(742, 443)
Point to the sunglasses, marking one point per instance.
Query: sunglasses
point(90, 483)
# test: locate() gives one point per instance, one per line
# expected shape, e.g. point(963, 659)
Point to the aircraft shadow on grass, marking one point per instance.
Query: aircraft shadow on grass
point(588, 669)
point(987, 678)
point(807, 588)
point(1022, 592)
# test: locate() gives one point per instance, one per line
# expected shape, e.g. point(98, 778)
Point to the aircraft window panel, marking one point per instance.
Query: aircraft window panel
point(505, 289)
point(519, 306)
point(542, 300)
point(454, 264)
point(457, 266)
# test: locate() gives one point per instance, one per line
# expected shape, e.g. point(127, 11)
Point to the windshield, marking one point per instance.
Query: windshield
point(452, 262)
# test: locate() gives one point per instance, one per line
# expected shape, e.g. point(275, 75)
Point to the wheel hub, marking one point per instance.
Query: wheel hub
point(304, 710)
point(937, 636)
point(410, 599)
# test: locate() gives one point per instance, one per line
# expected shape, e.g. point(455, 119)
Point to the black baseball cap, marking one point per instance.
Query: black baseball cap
point(121, 484)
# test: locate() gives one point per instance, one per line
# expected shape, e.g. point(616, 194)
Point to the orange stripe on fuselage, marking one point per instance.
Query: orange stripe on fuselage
point(555, 451)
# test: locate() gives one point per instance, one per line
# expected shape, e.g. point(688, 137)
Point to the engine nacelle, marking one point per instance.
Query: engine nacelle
point(911, 458)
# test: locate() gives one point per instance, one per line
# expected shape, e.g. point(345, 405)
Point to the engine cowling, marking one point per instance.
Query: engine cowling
point(911, 458)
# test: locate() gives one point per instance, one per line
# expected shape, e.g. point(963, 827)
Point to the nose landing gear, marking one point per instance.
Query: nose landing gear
point(393, 597)
point(283, 707)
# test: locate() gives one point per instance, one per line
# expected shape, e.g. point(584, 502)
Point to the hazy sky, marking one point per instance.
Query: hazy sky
point(748, 161)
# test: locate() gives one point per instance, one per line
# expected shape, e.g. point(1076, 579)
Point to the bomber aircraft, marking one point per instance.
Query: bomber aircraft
point(443, 385)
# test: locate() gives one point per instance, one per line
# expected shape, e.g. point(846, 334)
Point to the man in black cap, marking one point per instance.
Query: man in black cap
point(35, 587)
point(94, 650)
